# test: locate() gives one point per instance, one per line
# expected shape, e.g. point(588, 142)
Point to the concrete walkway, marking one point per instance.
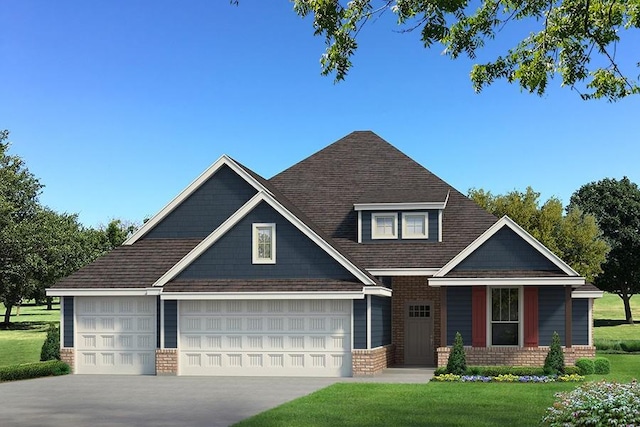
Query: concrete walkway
point(110, 400)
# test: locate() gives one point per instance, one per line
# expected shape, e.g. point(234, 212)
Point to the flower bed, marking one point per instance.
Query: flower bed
point(508, 378)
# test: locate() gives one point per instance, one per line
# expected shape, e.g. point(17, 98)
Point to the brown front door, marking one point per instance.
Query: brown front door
point(418, 335)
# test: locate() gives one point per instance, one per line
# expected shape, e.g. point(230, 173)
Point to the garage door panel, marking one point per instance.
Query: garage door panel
point(265, 338)
point(116, 335)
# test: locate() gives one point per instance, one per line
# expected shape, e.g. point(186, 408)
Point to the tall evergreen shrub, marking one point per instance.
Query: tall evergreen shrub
point(51, 347)
point(554, 362)
point(457, 362)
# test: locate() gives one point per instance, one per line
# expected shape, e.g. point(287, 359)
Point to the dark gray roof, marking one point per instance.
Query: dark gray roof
point(326, 185)
point(135, 266)
point(280, 285)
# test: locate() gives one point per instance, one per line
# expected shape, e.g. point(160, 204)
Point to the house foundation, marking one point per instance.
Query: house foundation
point(372, 362)
point(67, 355)
point(167, 361)
point(521, 356)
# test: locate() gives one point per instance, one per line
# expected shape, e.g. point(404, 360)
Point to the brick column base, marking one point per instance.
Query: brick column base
point(67, 356)
point(520, 356)
point(371, 362)
point(167, 361)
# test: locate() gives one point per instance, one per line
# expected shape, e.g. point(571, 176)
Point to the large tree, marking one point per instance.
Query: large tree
point(574, 237)
point(616, 206)
point(575, 39)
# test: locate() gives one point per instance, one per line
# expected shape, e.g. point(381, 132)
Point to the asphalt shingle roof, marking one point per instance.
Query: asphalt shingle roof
point(281, 285)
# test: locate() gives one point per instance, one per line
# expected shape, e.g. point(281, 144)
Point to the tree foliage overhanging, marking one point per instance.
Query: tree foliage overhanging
point(575, 39)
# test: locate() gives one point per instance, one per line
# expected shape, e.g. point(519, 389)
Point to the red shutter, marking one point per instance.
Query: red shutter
point(479, 316)
point(530, 316)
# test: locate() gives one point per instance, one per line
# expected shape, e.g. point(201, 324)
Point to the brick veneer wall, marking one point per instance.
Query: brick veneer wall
point(167, 361)
point(67, 355)
point(522, 356)
point(371, 362)
point(412, 288)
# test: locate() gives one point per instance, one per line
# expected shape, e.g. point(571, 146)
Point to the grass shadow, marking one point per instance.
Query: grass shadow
point(611, 322)
point(24, 326)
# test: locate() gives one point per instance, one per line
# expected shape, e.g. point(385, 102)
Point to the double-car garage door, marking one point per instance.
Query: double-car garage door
point(117, 335)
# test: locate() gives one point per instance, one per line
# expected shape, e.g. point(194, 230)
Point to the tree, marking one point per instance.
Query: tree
point(554, 361)
point(616, 206)
point(457, 362)
point(573, 237)
point(575, 39)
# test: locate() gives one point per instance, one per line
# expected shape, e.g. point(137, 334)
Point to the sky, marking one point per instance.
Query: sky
point(117, 106)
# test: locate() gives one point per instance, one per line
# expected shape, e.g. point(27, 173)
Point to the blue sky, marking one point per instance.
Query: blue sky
point(117, 106)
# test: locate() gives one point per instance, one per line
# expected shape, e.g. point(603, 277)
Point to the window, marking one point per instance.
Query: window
point(384, 226)
point(505, 316)
point(419, 311)
point(264, 243)
point(414, 226)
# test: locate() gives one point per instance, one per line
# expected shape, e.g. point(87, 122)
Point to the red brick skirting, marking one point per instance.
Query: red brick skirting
point(522, 356)
point(371, 362)
point(67, 356)
point(167, 361)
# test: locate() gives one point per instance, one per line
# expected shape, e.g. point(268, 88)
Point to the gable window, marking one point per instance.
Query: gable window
point(384, 226)
point(264, 244)
point(505, 316)
point(414, 226)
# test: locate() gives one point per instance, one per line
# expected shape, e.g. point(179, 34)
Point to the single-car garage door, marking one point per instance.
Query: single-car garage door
point(265, 338)
point(115, 335)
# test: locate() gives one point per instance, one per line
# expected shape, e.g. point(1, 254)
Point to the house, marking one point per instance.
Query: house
point(352, 260)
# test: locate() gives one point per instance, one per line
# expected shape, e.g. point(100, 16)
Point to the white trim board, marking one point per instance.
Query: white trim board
point(106, 292)
point(189, 190)
point(505, 221)
point(241, 213)
point(260, 295)
point(505, 281)
point(403, 271)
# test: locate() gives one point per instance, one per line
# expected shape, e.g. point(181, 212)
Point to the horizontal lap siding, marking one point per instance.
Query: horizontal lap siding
point(204, 210)
point(297, 256)
point(580, 321)
point(68, 320)
point(360, 323)
point(380, 321)
point(170, 324)
point(550, 313)
point(459, 313)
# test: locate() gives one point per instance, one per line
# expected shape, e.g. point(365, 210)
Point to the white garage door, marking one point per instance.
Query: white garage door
point(265, 338)
point(115, 335)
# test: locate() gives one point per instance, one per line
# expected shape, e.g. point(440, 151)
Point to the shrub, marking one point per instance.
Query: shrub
point(554, 362)
point(630, 346)
point(494, 371)
point(33, 370)
point(601, 365)
point(440, 371)
point(457, 362)
point(51, 347)
point(571, 370)
point(585, 366)
point(596, 404)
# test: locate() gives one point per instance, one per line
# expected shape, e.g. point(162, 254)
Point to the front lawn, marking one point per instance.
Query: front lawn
point(609, 321)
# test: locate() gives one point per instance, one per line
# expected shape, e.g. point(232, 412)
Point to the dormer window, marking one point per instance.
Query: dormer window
point(384, 226)
point(414, 226)
point(264, 243)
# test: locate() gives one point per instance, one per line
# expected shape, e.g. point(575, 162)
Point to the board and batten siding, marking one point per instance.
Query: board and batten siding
point(297, 256)
point(551, 313)
point(380, 321)
point(360, 324)
point(580, 321)
point(505, 250)
point(170, 324)
point(432, 226)
point(68, 321)
point(208, 207)
point(459, 316)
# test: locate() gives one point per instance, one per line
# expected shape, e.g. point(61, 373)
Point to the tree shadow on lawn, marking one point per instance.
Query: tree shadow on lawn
point(598, 323)
point(25, 326)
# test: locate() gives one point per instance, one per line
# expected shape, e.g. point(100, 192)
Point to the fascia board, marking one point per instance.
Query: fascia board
point(403, 271)
point(399, 206)
point(506, 281)
point(79, 292)
point(260, 295)
point(589, 294)
point(377, 291)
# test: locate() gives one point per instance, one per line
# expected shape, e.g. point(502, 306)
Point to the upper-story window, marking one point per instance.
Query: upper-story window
point(414, 226)
point(384, 226)
point(264, 243)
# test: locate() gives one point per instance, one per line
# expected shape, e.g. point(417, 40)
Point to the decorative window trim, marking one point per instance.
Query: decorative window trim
point(255, 228)
point(520, 316)
point(425, 225)
point(375, 216)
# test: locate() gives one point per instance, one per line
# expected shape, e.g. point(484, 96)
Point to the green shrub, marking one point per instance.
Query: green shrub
point(494, 371)
point(440, 371)
point(596, 404)
point(586, 366)
point(630, 346)
point(601, 365)
point(572, 370)
point(617, 346)
point(33, 370)
point(457, 362)
point(51, 347)
point(554, 362)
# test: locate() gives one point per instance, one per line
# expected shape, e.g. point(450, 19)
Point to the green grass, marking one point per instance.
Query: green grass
point(22, 342)
point(609, 320)
point(441, 404)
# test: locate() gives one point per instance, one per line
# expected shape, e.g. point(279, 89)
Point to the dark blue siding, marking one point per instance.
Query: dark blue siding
point(459, 313)
point(205, 209)
point(432, 219)
point(550, 313)
point(359, 323)
point(158, 304)
point(505, 250)
point(67, 317)
point(580, 321)
point(170, 324)
point(296, 255)
point(380, 321)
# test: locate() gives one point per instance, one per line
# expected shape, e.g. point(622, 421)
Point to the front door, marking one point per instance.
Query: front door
point(418, 337)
